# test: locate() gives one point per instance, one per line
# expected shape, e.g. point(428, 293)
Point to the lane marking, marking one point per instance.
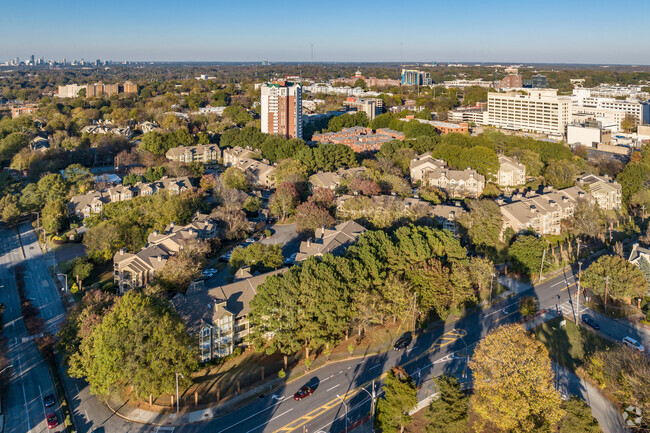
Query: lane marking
point(252, 416)
point(375, 366)
point(335, 386)
point(263, 424)
point(22, 382)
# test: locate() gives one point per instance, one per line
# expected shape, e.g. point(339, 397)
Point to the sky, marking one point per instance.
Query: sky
point(522, 31)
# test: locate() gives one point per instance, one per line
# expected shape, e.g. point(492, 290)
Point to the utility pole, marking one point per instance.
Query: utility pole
point(177, 402)
point(415, 298)
point(541, 266)
point(578, 294)
point(606, 291)
point(491, 283)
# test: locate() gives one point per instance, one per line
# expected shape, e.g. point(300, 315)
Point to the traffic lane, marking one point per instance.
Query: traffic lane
point(617, 330)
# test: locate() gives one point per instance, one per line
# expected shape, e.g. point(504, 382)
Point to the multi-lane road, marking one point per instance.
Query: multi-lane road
point(338, 386)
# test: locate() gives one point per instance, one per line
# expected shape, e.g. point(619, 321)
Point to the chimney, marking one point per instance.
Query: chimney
point(155, 232)
point(308, 242)
point(172, 224)
point(322, 235)
point(122, 251)
point(159, 259)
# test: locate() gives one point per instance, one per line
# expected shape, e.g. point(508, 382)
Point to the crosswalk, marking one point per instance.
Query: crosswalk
point(569, 308)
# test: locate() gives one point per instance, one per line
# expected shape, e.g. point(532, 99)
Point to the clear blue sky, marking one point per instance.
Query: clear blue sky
point(570, 31)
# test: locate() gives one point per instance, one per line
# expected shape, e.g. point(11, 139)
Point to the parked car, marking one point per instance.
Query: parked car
point(226, 257)
point(250, 241)
point(588, 320)
point(631, 342)
point(403, 341)
point(303, 392)
point(49, 400)
point(52, 420)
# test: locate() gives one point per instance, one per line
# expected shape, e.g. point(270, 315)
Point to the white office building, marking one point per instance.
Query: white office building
point(541, 111)
point(70, 91)
point(584, 101)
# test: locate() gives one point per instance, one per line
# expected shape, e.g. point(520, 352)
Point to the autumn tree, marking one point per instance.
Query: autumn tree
point(310, 216)
point(234, 177)
point(448, 412)
point(400, 396)
point(616, 278)
point(628, 124)
point(513, 382)
point(183, 267)
point(283, 201)
point(232, 218)
point(587, 219)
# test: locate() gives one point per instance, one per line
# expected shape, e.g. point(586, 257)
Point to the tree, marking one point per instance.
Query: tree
point(323, 197)
point(289, 170)
point(12, 144)
point(257, 254)
point(485, 161)
point(532, 161)
point(360, 82)
point(578, 417)
point(101, 241)
point(513, 382)
point(283, 201)
point(156, 143)
point(587, 219)
point(364, 186)
point(483, 223)
point(53, 216)
point(528, 306)
point(448, 412)
point(633, 178)
point(560, 174)
point(526, 252)
point(400, 396)
point(81, 268)
point(140, 342)
point(233, 218)
point(183, 267)
point(628, 124)
point(616, 278)
point(253, 205)
point(9, 210)
point(310, 216)
point(235, 178)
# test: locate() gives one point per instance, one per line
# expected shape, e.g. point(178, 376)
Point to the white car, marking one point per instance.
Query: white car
point(631, 342)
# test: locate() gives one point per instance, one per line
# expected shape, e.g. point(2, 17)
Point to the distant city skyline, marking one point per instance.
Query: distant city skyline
point(503, 31)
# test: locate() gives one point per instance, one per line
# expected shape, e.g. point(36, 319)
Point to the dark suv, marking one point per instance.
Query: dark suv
point(403, 341)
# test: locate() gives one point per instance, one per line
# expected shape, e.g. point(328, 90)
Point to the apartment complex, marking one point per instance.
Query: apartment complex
point(23, 109)
point(412, 77)
point(258, 172)
point(543, 212)
point(371, 106)
point(330, 179)
point(97, 89)
point(511, 81)
point(511, 172)
point(477, 116)
point(456, 183)
point(203, 153)
point(540, 111)
point(360, 138)
point(217, 316)
point(370, 81)
point(603, 189)
point(130, 87)
point(94, 201)
point(131, 271)
point(444, 128)
point(70, 90)
point(281, 103)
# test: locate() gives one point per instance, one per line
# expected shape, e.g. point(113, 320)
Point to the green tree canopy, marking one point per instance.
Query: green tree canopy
point(400, 396)
point(448, 412)
point(140, 342)
point(526, 252)
point(622, 280)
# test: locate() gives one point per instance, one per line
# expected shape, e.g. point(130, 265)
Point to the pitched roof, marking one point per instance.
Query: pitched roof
point(330, 240)
point(197, 307)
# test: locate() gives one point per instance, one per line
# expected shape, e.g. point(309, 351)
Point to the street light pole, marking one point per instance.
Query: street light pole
point(466, 353)
point(177, 403)
point(372, 404)
point(9, 366)
point(578, 294)
point(346, 412)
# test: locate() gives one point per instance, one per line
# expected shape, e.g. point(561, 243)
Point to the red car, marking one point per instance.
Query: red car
point(303, 392)
point(52, 420)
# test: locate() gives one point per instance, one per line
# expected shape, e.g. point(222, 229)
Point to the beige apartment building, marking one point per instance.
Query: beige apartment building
point(511, 172)
point(281, 103)
point(456, 183)
point(203, 153)
point(607, 192)
point(541, 111)
point(543, 212)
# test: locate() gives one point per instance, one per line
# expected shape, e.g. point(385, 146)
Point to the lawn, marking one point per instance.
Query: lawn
point(570, 345)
